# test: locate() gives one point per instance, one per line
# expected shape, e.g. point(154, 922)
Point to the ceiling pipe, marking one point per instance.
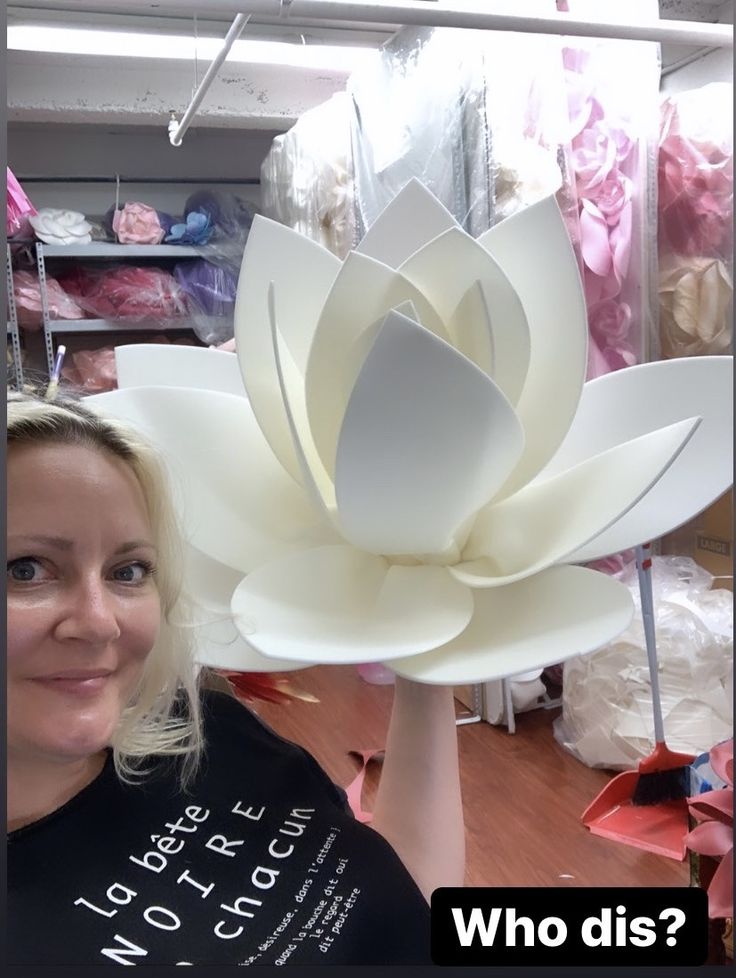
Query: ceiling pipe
point(429, 14)
point(177, 130)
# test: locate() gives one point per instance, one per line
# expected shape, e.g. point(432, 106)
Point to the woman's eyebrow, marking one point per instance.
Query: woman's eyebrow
point(61, 543)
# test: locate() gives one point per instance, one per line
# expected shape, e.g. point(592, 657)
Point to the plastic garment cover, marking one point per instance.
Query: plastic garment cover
point(607, 708)
point(307, 177)
point(211, 290)
point(127, 294)
point(28, 300)
point(477, 116)
point(19, 208)
point(695, 176)
point(613, 131)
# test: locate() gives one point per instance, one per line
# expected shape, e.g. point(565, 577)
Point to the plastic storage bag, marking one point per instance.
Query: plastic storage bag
point(695, 173)
point(127, 294)
point(28, 301)
point(606, 696)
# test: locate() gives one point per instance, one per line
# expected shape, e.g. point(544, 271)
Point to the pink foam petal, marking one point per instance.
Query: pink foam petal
point(621, 243)
point(710, 839)
point(717, 805)
point(720, 890)
point(721, 760)
point(594, 241)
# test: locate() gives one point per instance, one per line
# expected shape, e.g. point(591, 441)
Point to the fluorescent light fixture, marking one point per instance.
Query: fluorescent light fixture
point(159, 47)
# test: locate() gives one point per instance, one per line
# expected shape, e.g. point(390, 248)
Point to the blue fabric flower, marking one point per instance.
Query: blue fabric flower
point(196, 231)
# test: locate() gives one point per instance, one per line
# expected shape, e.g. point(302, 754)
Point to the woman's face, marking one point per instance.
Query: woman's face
point(83, 608)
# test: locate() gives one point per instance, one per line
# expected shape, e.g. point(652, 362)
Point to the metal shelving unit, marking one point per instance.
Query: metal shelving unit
point(13, 335)
point(100, 250)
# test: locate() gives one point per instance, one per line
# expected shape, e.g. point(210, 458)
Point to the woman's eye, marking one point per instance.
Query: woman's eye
point(134, 573)
point(25, 570)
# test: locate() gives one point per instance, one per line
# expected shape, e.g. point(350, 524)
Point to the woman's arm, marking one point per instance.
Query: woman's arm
point(418, 806)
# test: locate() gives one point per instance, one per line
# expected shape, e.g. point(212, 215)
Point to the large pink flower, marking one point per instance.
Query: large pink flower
point(137, 224)
point(609, 321)
point(605, 250)
point(611, 196)
point(713, 836)
point(695, 182)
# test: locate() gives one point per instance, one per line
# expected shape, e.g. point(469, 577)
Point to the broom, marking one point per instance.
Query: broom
point(663, 775)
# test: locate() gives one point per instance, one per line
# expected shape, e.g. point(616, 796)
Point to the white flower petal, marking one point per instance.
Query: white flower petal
point(426, 441)
point(470, 329)
point(235, 501)
point(363, 293)
point(547, 521)
point(542, 620)
point(445, 269)
point(218, 643)
point(303, 273)
point(338, 605)
point(173, 365)
point(412, 218)
point(314, 478)
point(533, 249)
point(627, 403)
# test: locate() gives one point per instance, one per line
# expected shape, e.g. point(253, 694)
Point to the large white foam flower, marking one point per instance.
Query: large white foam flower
point(418, 465)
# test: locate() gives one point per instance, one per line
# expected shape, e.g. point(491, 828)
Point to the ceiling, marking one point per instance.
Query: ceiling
point(43, 88)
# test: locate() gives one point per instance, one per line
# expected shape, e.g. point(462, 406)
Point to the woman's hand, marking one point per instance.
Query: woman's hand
point(418, 806)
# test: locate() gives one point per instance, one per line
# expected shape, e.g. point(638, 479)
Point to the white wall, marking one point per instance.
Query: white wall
point(142, 152)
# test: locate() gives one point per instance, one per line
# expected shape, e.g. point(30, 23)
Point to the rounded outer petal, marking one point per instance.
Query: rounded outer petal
point(338, 605)
point(720, 888)
point(542, 620)
point(627, 403)
point(363, 293)
point(533, 249)
point(172, 365)
point(710, 838)
point(545, 522)
point(721, 760)
point(412, 218)
point(717, 804)
point(210, 586)
point(303, 273)
point(235, 502)
point(444, 270)
point(427, 440)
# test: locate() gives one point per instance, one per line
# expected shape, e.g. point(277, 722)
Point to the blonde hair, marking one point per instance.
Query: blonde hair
point(163, 717)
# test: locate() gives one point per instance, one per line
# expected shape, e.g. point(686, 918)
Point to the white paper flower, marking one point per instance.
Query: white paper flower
point(53, 225)
point(419, 462)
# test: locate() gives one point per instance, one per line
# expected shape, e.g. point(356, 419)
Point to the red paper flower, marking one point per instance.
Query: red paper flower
point(714, 835)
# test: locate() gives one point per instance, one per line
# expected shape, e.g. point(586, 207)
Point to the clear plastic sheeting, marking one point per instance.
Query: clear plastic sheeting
point(477, 116)
point(607, 707)
point(696, 222)
point(307, 177)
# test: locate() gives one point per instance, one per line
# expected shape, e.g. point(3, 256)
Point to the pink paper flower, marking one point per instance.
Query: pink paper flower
point(593, 157)
point(609, 321)
point(713, 836)
point(695, 182)
point(137, 224)
point(606, 250)
point(611, 196)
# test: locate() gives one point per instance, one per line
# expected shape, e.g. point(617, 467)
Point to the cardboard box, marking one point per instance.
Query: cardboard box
point(708, 539)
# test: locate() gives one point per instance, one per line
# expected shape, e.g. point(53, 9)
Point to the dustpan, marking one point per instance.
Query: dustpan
point(657, 828)
point(660, 827)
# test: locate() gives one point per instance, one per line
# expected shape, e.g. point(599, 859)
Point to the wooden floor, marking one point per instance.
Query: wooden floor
point(522, 793)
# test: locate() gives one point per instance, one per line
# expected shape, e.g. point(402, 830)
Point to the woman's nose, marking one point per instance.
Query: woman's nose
point(90, 613)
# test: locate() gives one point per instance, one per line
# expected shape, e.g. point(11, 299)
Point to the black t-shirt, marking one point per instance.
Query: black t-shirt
point(258, 863)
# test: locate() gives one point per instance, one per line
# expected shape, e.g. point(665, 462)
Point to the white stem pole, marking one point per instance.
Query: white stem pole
point(176, 133)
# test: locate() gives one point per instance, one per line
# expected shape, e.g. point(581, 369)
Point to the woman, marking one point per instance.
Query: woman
point(154, 822)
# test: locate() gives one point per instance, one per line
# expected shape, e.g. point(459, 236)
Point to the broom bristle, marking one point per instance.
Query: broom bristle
point(662, 786)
